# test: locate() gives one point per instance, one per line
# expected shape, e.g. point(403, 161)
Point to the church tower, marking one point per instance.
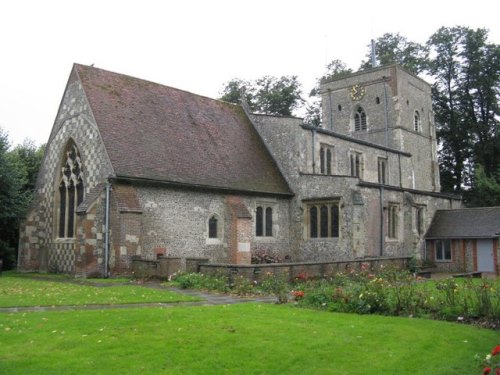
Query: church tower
point(390, 107)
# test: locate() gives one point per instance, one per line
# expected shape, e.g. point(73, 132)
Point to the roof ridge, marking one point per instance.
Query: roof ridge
point(77, 65)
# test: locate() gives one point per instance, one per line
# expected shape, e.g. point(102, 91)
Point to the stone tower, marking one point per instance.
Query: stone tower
point(390, 107)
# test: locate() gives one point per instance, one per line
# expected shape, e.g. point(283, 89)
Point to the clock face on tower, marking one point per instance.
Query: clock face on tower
point(357, 92)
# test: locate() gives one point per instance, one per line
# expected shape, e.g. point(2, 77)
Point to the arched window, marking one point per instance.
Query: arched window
point(360, 120)
point(71, 191)
point(416, 122)
point(212, 227)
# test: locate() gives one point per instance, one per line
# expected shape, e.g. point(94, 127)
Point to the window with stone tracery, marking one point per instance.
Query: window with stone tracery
point(71, 191)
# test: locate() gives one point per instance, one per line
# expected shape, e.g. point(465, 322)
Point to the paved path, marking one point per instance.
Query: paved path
point(208, 299)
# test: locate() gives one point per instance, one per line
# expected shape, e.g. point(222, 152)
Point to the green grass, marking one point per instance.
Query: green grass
point(235, 339)
point(23, 291)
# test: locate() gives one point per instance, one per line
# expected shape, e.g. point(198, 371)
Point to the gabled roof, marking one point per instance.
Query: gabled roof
point(154, 132)
point(481, 222)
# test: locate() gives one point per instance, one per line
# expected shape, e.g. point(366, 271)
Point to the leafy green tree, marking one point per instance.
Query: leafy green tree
point(268, 95)
point(485, 191)
point(30, 158)
point(395, 48)
point(237, 89)
point(278, 96)
point(12, 201)
point(465, 97)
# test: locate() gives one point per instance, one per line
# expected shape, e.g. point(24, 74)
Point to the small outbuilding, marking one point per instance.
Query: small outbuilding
point(464, 240)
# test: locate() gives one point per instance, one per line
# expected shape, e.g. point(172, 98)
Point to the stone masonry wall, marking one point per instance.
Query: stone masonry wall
point(74, 121)
point(177, 220)
point(361, 208)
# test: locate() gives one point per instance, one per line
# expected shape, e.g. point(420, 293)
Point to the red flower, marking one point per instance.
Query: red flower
point(486, 370)
point(298, 294)
point(497, 371)
point(496, 350)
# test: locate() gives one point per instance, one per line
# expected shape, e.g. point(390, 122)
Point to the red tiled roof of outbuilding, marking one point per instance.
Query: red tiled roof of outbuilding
point(155, 132)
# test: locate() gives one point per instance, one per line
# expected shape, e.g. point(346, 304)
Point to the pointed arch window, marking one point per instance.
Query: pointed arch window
point(71, 191)
point(360, 120)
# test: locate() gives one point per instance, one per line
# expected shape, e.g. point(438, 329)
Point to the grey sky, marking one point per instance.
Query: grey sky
point(196, 45)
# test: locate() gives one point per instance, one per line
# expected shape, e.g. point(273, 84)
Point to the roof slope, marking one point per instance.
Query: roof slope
point(481, 222)
point(156, 132)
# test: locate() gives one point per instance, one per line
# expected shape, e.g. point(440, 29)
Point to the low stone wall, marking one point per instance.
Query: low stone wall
point(257, 272)
point(165, 267)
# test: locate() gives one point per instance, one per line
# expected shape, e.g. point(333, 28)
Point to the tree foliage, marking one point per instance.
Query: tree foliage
point(486, 191)
point(396, 49)
point(267, 95)
point(466, 69)
point(18, 170)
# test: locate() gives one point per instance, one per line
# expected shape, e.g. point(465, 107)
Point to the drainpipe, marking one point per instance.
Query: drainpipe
point(382, 234)
point(106, 231)
point(331, 108)
point(386, 125)
point(386, 114)
point(313, 150)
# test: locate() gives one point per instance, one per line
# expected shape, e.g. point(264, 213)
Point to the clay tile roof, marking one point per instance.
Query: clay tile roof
point(481, 222)
point(90, 198)
point(156, 132)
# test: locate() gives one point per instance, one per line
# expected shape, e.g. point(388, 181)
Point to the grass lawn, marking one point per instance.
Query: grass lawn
point(235, 339)
point(16, 290)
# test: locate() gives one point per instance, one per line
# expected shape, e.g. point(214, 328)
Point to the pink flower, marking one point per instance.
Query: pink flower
point(497, 371)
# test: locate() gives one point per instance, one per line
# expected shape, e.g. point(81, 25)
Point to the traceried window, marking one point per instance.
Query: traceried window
point(325, 159)
point(393, 221)
point(416, 122)
point(382, 171)
point(323, 220)
point(360, 120)
point(443, 250)
point(356, 161)
point(264, 221)
point(71, 191)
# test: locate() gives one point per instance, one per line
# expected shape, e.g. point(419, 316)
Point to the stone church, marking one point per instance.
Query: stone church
point(138, 169)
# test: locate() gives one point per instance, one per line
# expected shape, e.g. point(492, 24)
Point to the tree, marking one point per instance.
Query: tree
point(268, 95)
point(395, 48)
point(237, 89)
point(334, 70)
point(12, 201)
point(465, 97)
point(486, 190)
point(30, 158)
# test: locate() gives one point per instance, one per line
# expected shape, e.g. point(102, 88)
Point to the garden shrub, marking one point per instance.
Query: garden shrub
point(276, 285)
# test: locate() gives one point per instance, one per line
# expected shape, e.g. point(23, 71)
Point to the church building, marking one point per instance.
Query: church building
point(138, 169)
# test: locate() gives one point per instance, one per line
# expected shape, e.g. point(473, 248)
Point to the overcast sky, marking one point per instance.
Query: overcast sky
point(196, 45)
